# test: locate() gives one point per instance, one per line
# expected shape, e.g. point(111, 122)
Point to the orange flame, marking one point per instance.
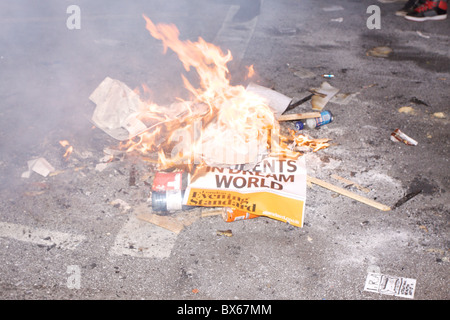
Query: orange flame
point(219, 116)
point(250, 72)
point(69, 148)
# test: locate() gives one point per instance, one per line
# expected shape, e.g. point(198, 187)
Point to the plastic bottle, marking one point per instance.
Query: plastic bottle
point(299, 125)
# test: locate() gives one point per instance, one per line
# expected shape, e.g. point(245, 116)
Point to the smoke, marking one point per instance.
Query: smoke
point(48, 71)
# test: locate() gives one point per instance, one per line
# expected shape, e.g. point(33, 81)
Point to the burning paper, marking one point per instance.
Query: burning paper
point(275, 188)
point(221, 125)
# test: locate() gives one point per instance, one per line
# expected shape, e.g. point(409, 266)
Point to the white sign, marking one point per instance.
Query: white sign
point(390, 285)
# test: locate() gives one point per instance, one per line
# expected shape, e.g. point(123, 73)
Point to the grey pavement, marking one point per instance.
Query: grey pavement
point(62, 238)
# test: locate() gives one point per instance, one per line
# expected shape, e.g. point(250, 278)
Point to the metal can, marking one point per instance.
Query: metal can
point(167, 201)
point(231, 214)
point(325, 117)
point(166, 181)
point(168, 191)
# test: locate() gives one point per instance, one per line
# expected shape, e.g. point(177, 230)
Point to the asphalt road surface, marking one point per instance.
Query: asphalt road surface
point(64, 237)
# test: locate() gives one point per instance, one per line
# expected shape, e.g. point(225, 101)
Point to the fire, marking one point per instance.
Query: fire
point(222, 123)
point(250, 71)
point(69, 148)
point(314, 144)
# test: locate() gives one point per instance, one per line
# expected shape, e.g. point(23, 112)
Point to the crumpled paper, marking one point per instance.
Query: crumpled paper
point(117, 109)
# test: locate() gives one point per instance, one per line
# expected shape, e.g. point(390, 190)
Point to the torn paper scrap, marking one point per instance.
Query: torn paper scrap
point(278, 102)
point(40, 165)
point(322, 95)
point(394, 286)
point(117, 110)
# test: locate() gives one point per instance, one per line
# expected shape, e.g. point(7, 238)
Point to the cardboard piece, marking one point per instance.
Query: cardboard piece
point(278, 102)
point(323, 95)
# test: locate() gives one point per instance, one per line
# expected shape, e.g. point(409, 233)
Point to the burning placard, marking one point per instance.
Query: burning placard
point(275, 188)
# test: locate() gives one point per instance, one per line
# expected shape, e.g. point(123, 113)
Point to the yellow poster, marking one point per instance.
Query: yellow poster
point(275, 188)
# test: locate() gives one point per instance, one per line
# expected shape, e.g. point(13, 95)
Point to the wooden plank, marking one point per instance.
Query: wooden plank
point(349, 194)
point(298, 116)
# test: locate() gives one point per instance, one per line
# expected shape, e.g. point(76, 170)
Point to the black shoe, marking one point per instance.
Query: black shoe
point(407, 8)
point(430, 10)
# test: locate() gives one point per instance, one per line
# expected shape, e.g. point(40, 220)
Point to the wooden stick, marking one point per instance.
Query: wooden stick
point(210, 213)
point(298, 116)
point(349, 194)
